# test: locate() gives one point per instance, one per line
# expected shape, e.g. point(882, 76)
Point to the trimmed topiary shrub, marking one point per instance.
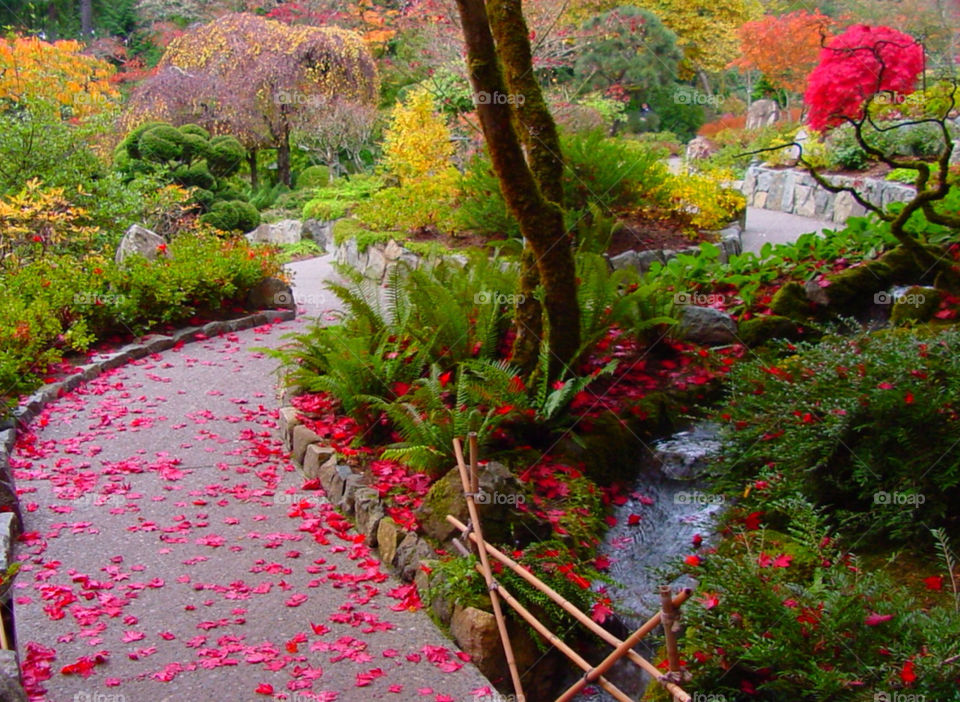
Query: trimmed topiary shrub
point(189, 157)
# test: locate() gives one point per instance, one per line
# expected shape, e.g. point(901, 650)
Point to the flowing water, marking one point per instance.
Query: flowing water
point(667, 508)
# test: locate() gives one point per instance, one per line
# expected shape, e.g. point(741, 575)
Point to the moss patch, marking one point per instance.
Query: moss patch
point(791, 301)
point(916, 305)
point(760, 330)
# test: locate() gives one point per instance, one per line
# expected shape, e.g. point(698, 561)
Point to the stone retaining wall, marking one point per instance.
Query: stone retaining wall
point(378, 260)
point(796, 192)
point(11, 524)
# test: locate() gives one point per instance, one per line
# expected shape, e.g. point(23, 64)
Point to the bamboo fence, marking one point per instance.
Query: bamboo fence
point(668, 615)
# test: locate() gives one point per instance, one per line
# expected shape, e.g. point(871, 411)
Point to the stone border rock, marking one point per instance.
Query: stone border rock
point(796, 192)
point(729, 241)
point(401, 551)
point(378, 260)
point(345, 490)
point(11, 521)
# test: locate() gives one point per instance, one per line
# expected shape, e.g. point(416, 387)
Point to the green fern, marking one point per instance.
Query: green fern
point(949, 561)
point(434, 413)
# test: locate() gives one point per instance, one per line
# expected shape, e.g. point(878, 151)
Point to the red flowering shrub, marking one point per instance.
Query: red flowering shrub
point(855, 66)
point(841, 422)
point(781, 618)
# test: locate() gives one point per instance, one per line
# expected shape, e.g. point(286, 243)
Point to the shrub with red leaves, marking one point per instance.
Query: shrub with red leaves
point(857, 64)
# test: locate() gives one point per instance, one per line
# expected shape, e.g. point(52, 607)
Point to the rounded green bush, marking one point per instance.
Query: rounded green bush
point(194, 147)
point(225, 156)
point(161, 143)
point(196, 176)
point(313, 177)
point(222, 215)
point(196, 130)
point(131, 143)
point(248, 217)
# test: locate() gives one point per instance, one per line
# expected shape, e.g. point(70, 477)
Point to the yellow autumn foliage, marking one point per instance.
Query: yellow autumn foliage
point(38, 219)
point(417, 143)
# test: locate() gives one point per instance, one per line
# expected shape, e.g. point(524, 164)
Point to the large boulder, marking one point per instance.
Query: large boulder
point(140, 241)
point(762, 113)
point(707, 326)
point(286, 231)
point(699, 148)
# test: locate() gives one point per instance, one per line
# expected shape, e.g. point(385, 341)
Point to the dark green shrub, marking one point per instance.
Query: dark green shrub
point(678, 109)
point(231, 215)
point(248, 217)
point(226, 155)
point(189, 157)
point(793, 617)
point(195, 130)
point(161, 143)
point(195, 176)
point(867, 425)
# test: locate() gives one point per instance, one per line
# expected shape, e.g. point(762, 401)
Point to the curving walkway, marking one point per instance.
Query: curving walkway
point(765, 226)
point(171, 552)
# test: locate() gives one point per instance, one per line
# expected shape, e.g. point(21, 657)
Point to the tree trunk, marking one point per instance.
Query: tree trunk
point(252, 165)
point(704, 82)
point(531, 180)
point(86, 18)
point(283, 160)
point(53, 21)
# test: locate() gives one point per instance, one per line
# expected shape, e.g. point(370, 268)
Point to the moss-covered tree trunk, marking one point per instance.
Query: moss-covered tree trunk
point(525, 151)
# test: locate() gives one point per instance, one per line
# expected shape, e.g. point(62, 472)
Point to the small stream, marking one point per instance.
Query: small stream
point(672, 507)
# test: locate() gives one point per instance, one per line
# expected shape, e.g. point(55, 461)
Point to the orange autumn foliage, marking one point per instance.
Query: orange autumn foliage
point(783, 48)
point(57, 73)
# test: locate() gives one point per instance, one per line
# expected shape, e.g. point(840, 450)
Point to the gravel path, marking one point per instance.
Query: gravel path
point(171, 551)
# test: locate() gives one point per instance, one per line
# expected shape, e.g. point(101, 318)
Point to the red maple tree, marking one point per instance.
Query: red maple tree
point(856, 65)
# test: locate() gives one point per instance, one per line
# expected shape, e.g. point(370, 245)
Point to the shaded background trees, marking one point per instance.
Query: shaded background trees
point(257, 79)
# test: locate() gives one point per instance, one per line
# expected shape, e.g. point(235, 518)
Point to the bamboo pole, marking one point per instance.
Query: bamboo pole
point(651, 624)
point(492, 585)
point(474, 467)
point(668, 616)
point(554, 640)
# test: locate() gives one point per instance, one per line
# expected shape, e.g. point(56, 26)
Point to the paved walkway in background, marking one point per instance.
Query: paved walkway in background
point(172, 552)
point(777, 228)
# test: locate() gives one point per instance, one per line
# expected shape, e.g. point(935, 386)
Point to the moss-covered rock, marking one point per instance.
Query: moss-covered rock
point(904, 269)
point(791, 301)
point(853, 290)
point(500, 494)
point(918, 304)
point(759, 330)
